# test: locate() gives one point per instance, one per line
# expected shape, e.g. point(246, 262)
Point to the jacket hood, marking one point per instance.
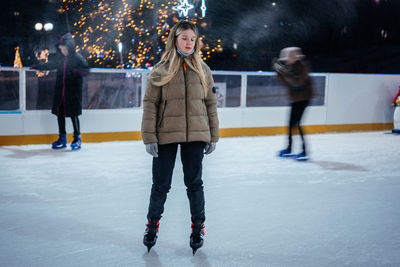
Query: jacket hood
point(291, 53)
point(69, 42)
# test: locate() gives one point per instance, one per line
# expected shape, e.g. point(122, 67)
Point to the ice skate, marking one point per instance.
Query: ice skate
point(76, 143)
point(196, 238)
point(285, 153)
point(150, 235)
point(60, 143)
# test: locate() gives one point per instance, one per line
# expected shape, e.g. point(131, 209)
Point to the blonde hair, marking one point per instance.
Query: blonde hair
point(173, 60)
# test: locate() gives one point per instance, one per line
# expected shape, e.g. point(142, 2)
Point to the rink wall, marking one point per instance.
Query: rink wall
point(250, 104)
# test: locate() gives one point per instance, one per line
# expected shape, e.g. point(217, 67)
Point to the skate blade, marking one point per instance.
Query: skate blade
point(59, 148)
point(302, 158)
point(287, 155)
point(149, 246)
point(195, 247)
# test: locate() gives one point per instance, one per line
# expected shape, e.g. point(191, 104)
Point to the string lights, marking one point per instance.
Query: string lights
point(141, 26)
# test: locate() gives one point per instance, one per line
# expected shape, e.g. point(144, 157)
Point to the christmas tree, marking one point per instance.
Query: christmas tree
point(131, 34)
point(17, 60)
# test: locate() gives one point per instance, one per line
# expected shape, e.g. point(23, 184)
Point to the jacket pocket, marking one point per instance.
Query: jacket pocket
point(160, 124)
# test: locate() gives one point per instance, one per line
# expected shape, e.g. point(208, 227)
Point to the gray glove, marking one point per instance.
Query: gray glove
point(152, 149)
point(210, 147)
point(278, 67)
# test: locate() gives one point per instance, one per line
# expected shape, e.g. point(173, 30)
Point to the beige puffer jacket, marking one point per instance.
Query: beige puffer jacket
point(179, 111)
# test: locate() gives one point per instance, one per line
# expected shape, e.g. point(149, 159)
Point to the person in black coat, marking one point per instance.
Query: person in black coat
point(67, 102)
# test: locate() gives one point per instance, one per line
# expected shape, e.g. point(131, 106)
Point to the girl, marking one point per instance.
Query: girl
point(179, 108)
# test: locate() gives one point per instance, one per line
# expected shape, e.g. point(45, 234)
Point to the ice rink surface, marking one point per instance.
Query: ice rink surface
point(88, 207)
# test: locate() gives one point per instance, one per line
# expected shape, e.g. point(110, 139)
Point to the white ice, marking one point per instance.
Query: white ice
point(88, 207)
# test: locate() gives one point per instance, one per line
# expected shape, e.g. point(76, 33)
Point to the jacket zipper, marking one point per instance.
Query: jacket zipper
point(162, 115)
point(205, 113)
point(186, 103)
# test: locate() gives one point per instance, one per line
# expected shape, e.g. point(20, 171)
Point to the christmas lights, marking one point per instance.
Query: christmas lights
point(141, 26)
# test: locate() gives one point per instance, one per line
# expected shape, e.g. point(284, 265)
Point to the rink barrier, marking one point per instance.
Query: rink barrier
point(232, 132)
point(254, 104)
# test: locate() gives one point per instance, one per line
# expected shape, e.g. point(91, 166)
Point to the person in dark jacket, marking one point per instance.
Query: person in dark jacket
point(293, 71)
point(67, 102)
point(396, 114)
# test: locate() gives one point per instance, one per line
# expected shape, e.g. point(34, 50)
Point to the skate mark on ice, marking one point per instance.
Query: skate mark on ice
point(23, 154)
point(339, 166)
point(19, 198)
point(151, 258)
point(75, 252)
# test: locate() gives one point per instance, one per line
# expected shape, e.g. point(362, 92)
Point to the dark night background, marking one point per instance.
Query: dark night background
point(352, 36)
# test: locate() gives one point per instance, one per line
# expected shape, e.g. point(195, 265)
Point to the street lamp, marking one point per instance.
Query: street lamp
point(38, 26)
point(120, 54)
point(48, 26)
point(43, 31)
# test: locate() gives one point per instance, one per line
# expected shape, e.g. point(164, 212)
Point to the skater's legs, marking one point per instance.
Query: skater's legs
point(75, 124)
point(301, 107)
point(61, 142)
point(61, 124)
point(291, 125)
point(302, 139)
point(192, 156)
point(61, 118)
point(62, 139)
point(296, 115)
point(163, 167)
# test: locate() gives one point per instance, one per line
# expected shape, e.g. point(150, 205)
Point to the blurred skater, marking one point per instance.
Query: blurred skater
point(179, 109)
point(396, 114)
point(67, 101)
point(293, 71)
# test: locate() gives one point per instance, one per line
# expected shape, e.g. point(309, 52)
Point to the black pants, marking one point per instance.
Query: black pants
point(61, 121)
point(75, 124)
point(192, 154)
point(296, 114)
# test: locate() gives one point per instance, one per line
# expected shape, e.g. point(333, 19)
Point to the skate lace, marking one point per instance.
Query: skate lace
point(151, 229)
point(198, 230)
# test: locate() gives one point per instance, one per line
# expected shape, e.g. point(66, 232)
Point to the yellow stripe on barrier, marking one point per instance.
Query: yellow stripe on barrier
point(86, 137)
point(225, 132)
point(308, 129)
